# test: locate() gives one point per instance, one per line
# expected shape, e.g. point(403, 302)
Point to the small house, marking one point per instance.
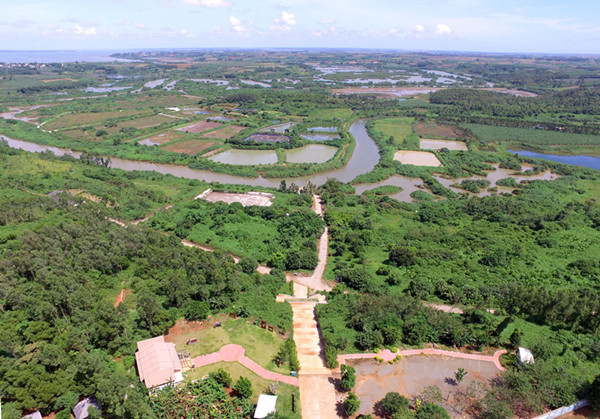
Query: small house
point(157, 362)
point(524, 356)
point(34, 415)
point(81, 409)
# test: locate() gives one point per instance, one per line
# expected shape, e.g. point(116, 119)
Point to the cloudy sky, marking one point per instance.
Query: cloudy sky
point(562, 26)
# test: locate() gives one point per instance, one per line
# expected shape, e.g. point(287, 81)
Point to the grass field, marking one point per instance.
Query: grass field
point(89, 118)
point(190, 147)
point(259, 385)
point(399, 128)
point(260, 345)
point(430, 129)
point(225, 132)
point(532, 137)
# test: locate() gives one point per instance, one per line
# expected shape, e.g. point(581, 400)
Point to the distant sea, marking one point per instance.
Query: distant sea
point(58, 56)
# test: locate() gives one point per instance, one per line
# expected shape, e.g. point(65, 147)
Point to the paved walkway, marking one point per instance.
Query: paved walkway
point(235, 353)
point(388, 355)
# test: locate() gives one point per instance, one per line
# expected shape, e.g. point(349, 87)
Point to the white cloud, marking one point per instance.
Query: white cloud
point(284, 22)
point(326, 21)
point(441, 29)
point(207, 3)
point(87, 31)
point(419, 28)
point(236, 25)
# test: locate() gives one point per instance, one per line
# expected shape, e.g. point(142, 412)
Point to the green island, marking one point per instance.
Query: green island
point(268, 223)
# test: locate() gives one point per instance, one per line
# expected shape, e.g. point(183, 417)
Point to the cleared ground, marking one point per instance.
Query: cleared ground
point(430, 129)
point(246, 199)
point(413, 374)
point(190, 147)
point(165, 137)
point(418, 158)
point(201, 126)
point(225, 132)
point(428, 144)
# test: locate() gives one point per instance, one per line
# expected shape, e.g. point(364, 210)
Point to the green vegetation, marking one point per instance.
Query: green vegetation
point(204, 398)
point(61, 333)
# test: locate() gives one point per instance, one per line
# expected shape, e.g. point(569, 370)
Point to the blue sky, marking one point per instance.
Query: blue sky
point(566, 26)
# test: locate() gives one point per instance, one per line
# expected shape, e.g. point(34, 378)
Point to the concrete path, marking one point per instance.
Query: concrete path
point(388, 355)
point(235, 353)
point(317, 392)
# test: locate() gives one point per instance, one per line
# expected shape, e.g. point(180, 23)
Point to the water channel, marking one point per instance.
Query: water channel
point(583, 161)
point(363, 160)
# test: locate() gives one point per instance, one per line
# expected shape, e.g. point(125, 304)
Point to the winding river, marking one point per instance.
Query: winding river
point(363, 160)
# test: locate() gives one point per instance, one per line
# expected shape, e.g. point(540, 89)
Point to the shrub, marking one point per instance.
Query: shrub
point(243, 387)
point(394, 402)
point(348, 377)
point(351, 404)
point(222, 377)
point(432, 411)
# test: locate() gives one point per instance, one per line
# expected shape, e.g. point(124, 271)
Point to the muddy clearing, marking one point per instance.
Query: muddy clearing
point(190, 147)
point(413, 374)
point(200, 127)
point(418, 158)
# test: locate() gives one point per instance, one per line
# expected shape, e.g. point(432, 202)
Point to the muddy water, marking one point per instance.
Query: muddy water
point(408, 186)
point(493, 177)
point(245, 157)
point(320, 137)
point(427, 144)
point(313, 153)
point(363, 160)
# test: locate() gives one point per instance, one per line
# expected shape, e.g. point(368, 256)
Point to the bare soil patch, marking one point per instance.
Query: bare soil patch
point(146, 122)
point(386, 91)
point(200, 127)
point(413, 374)
point(63, 79)
point(514, 92)
point(429, 144)
point(165, 137)
point(430, 129)
point(247, 199)
point(418, 158)
point(225, 132)
point(190, 147)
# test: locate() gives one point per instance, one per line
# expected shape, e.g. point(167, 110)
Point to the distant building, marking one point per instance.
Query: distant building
point(525, 356)
point(157, 362)
point(80, 411)
point(266, 404)
point(34, 415)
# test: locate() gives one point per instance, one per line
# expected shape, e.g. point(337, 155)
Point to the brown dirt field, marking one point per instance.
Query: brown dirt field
point(190, 147)
point(200, 127)
point(387, 91)
point(413, 374)
point(245, 199)
point(183, 327)
point(434, 130)
point(89, 118)
point(224, 133)
point(51, 80)
point(165, 137)
point(146, 121)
